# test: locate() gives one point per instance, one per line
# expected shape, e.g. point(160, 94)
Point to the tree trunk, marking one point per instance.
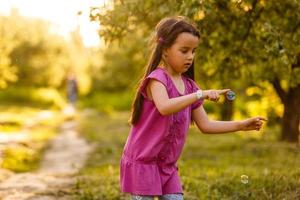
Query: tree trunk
point(227, 110)
point(291, 115)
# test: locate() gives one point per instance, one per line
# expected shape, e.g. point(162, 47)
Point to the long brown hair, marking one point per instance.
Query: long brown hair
point(167, 30)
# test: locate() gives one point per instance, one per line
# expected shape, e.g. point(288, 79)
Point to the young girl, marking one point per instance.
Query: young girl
point(166, 101)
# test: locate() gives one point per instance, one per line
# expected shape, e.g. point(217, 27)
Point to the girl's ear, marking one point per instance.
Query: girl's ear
point(165, 53)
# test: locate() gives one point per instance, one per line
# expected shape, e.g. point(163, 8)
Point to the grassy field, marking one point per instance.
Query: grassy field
point(107, 102)
point(211, 166)
point(33, 114)
point(28, 130)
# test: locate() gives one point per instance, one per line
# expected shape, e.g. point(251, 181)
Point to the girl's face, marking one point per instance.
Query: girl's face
point(181, 54)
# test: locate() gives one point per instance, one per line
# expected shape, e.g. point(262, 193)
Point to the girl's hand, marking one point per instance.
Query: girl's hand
point(214, 95)
point(254, 123)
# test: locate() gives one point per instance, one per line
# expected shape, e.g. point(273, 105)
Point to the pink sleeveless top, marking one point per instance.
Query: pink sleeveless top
point(148, 164)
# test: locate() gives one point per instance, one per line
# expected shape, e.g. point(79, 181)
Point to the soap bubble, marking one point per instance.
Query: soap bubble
point(244, 179)
point(230, 95)
point(266, 171)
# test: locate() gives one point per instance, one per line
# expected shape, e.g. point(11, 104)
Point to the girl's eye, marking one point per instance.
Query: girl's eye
point(184, 51)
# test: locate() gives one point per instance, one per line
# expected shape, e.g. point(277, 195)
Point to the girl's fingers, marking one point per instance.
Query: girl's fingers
point(211, 96)
point(261, 118)
point(254, 123)
point(223, 91)
point(215, 96)
point(258, 126)
point(258, 122)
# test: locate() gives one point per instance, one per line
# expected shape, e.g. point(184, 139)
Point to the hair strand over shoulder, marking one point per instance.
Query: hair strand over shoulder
point(167, 30)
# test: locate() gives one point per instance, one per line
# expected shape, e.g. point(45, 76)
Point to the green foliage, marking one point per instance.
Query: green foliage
point(122, 65)
point(122, 17)
point(244, 43)
point(7, 43)
point(34, 49)
point(123, 61)
point(210, 167)
point(36, 97)
point(105, 101)
point(33, 56)
point(255, 40)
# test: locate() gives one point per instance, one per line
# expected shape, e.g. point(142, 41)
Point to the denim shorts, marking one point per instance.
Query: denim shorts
point(163, 197)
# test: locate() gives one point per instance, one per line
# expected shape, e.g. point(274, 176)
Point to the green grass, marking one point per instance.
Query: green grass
point(210, 166)
point(21, 158)
point(28, 108)
point(35, 97)
point(108, 102)
point(37, 124)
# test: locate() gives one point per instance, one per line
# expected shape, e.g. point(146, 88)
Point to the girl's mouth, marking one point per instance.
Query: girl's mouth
point(187, 64)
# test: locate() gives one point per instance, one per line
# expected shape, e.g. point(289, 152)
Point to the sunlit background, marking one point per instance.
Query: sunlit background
point(69, 72)
point(65, 16)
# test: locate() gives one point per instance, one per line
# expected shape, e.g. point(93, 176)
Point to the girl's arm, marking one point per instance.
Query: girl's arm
point(214, 127)
point(166, 106)
point(157, 92)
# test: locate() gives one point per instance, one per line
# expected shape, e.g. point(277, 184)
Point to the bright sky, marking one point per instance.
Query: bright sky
point(62, 13)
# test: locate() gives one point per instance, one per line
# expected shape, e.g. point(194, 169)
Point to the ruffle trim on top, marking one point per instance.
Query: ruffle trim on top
point(140, 178)
point(148, 179)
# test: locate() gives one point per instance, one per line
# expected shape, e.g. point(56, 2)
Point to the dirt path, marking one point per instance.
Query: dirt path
point(55, 178)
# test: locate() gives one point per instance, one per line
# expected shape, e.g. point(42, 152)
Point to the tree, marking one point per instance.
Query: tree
point(259, 40)
point(7, 69)
point(32, 56)
point(251, 41)
point(41, 57)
